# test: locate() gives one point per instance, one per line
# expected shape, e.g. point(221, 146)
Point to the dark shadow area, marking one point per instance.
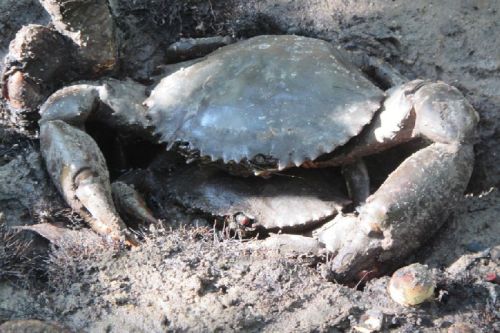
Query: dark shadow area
point(122, 152)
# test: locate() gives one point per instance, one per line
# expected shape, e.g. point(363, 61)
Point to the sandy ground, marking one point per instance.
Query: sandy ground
point(198, 279)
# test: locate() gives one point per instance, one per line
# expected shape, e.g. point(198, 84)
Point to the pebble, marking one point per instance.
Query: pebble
point(412, 285)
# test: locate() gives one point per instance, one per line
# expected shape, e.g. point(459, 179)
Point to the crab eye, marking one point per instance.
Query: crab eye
point(259, 159)
point(243, 220)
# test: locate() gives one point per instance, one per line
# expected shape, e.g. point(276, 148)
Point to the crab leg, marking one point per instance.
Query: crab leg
point(385, 74)
point(417, 197)
point(131, 204)
point(357, 181)
point(75, 162)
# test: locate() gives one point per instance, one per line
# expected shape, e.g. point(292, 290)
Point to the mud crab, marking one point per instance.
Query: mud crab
point(258, 107)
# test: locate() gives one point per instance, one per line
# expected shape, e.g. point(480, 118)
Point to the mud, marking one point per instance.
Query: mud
point(200, 279)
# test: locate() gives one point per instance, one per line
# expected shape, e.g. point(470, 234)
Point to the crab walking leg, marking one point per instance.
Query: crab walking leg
point(418, 196)
point(357, 181)
point(74, 161)
point(130, 203)
point(383, 72)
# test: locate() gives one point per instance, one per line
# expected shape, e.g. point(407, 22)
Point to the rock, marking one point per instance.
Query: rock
point(412, 285)
point(13, 15)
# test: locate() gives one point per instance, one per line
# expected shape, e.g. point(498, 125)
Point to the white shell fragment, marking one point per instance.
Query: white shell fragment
point(288, 97)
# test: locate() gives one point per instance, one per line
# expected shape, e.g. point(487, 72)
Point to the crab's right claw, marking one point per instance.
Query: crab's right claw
point(417, 197)
point(77, 167)
point(409, 207)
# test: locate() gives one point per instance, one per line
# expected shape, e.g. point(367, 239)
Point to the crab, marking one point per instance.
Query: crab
point(269, 121)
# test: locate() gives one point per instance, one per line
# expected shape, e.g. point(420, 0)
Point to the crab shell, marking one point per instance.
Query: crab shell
point(301, 200)
point(288, 98)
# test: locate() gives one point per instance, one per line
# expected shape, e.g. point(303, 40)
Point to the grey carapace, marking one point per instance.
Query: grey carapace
point(288, 99)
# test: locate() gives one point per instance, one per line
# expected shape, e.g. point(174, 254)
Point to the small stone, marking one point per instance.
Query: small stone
point(412, 285)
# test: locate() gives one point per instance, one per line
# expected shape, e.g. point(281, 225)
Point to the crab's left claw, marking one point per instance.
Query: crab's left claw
point(417, 197)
